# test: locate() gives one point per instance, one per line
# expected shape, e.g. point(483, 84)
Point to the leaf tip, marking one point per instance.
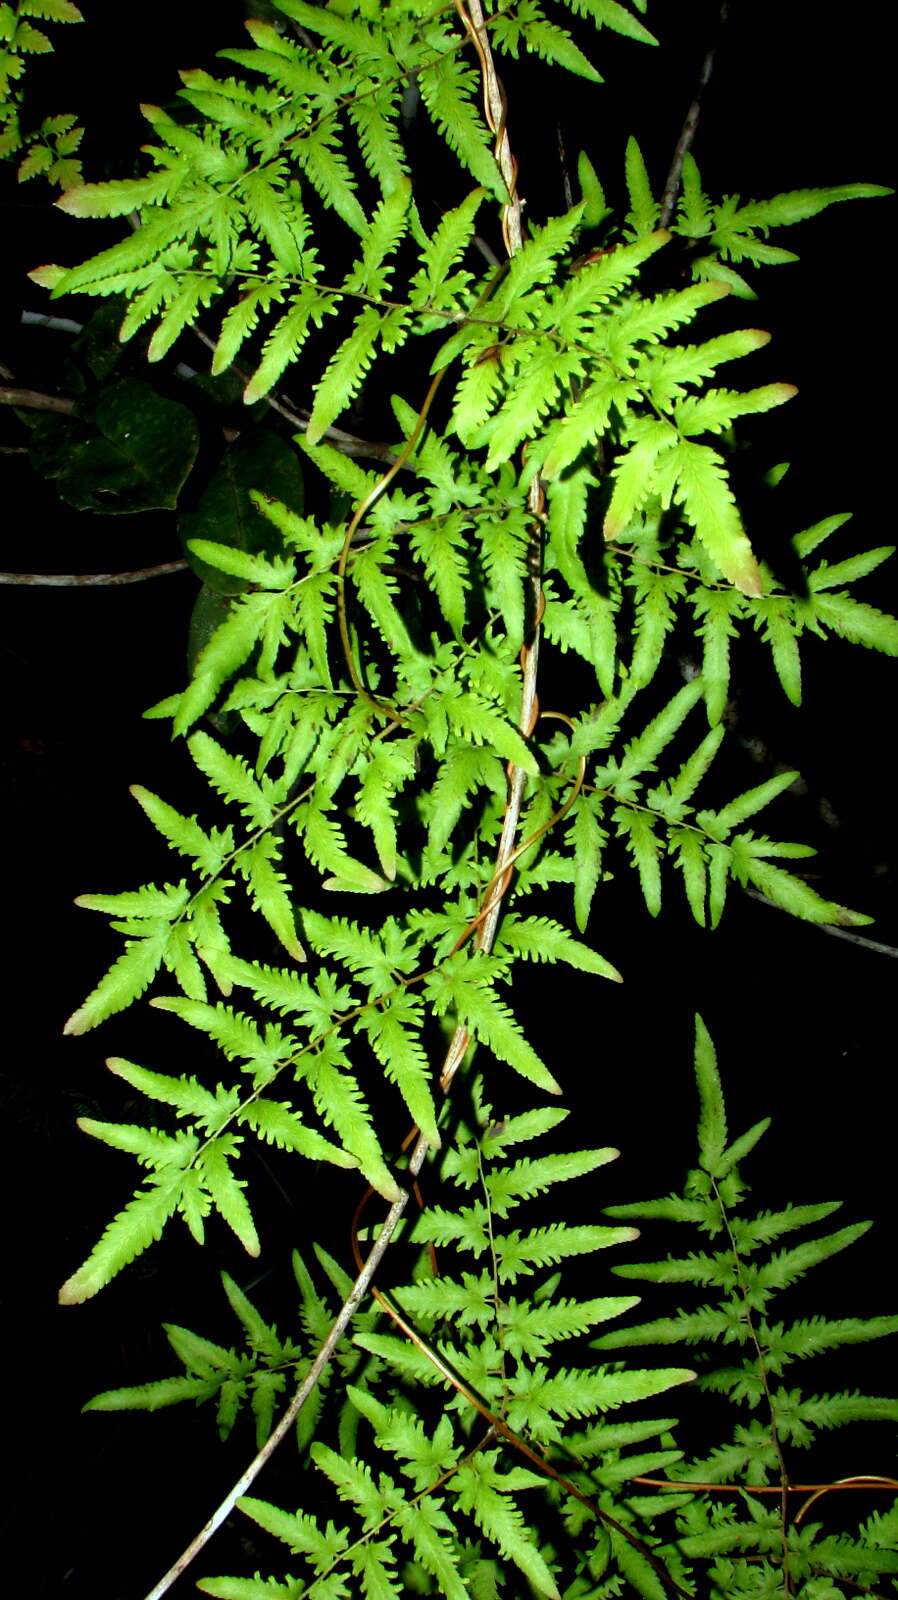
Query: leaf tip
point(73, 1291)
point(47, 276)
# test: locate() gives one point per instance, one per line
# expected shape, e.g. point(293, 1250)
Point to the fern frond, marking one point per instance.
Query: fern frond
point(131, 1232)
point(125, 981)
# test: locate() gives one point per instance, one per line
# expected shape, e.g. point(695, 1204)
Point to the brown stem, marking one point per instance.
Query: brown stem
point(690, 126)
point(91, 580)
point(33, 400)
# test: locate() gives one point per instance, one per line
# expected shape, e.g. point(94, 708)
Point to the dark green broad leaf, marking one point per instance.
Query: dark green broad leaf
point(226, 514)
point(129, 449)
point(98, 346)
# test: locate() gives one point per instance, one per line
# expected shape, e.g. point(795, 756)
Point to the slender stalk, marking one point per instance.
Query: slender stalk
point(33, 400)
point(690, 126)
point(495, 107)
point(92, 580)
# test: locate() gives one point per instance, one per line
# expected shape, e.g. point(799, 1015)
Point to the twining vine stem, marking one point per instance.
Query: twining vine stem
point(495, 108)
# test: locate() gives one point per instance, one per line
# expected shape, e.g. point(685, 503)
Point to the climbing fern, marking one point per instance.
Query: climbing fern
point(385, 798)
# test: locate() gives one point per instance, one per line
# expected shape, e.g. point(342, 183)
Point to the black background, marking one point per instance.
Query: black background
point(803, 1021)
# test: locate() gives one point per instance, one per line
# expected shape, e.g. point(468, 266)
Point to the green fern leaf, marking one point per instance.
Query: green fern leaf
point(708, 502)
point(789, 1265)
point(713, 412)
point(656, 614)
point(376, 589)
point(230, 775)
point(209, 851)
point(152, 1148)
point(135, 1228)
point(340, 1105)
point(441, 253)
point(248, 1588)
point(722, 822)
point(482, 724)
point(181, 961)
point(485, 1494)
point(393, 1031)
point(374, 117)
point(638, 832)
point(227, 1191)
point(666, 374)
point(260, 866)
point(241, 320)
point(153, 1396)
point(690, 853)
point(643, 214)
point(464, 769)
point(147, 901)
point(611, 14)
point(223, 654)
point(381, 239)
point(509, 1185)
point(125, 981)
point(543, 1247)
point(520, 1129)
point(448, 90)
point(808, 540)
point(188, 1097)
point(200, 1355)
point(799, 204)
point(389, 768)
point(634, 483)
point(712, 1125)
point(485, 1016)
point(285, 341)
point(422, 1526)
point(671, 796)
point(117, 197)
point(636, 1569)
point(260, 1335)
point(355, 1482)
point(792, 893)
point(587, 842)
point(718, 610)
point(827, 576)
point(641, 754)
point(777, 619)
point(440, 547)
point(344, 373)
point(278, 1124)
point(329, 174)
point(256, 569)
point(541, 939)
point(860, 624)
point(234, 1033)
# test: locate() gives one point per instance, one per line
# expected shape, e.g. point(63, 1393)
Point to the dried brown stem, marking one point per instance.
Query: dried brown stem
point(690, 126)
point(33, 400)
point(91, 580)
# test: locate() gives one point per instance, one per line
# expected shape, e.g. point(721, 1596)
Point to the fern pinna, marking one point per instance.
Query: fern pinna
point(745, 1528)
point(388, 800)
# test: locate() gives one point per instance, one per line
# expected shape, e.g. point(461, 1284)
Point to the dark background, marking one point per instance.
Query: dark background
point(803, 1020)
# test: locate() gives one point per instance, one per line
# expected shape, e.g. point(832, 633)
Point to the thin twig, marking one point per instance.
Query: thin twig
point(32, 400)
point(91, 580)
point(690, 126)
point(40, 319)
